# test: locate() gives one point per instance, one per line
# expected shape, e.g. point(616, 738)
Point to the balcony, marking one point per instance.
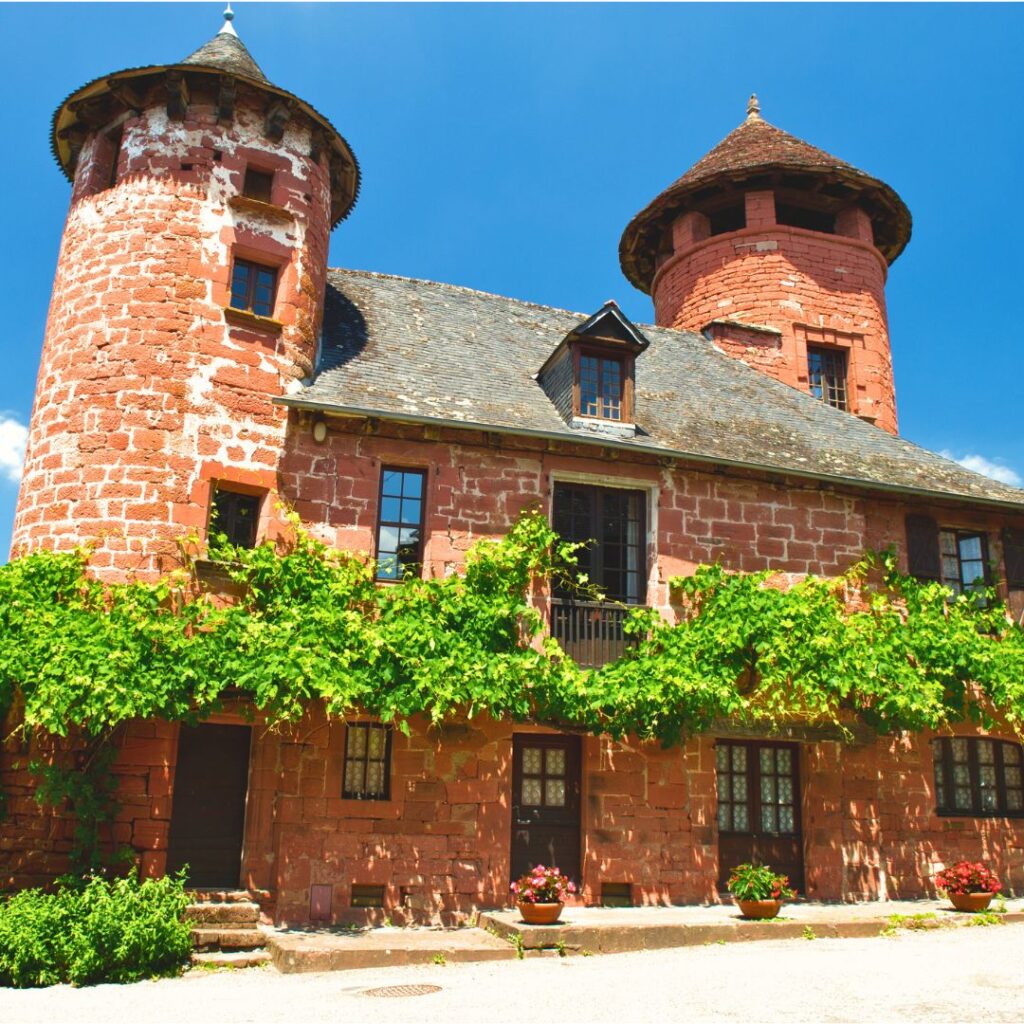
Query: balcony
point(590, 632)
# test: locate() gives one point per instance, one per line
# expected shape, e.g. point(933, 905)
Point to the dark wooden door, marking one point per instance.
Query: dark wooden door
point(759, 807)
point(208, 809)
point(546, 804)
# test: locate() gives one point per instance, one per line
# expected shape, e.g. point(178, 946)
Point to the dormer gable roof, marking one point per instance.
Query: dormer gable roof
point(608, 326)
point(610, 335)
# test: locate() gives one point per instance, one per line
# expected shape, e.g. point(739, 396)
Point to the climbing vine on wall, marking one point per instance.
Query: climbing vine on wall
point(311, 625)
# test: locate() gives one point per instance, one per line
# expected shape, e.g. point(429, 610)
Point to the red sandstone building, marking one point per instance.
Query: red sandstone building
point(200, 353)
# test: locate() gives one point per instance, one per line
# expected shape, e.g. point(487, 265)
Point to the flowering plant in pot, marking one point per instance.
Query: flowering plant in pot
point(968, 886)
point(540, 894)
point(758, 890)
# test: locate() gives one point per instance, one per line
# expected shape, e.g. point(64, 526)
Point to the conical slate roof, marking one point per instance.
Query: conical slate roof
point(759, 150)
point(226, 52)
point(756, 144)
point(225, 55)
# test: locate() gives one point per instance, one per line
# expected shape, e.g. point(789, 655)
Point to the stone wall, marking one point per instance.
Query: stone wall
point(440, 846)
point(812, 288)
point(476, 487)
point(146, 393)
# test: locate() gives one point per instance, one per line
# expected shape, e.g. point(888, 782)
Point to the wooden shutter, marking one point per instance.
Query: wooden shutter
point(1013, 554)
point(923, 548)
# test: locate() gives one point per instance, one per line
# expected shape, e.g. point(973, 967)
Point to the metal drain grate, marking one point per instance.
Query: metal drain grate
point(391, 991)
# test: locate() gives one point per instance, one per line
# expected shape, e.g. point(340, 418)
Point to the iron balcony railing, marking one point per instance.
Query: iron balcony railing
point(590, 632)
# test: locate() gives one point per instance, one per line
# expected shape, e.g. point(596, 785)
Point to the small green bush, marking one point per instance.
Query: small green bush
point(93, 931)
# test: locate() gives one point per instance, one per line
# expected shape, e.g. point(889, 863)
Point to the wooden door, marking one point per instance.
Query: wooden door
point(208, 808)
point(759, 807)
point(546, 803)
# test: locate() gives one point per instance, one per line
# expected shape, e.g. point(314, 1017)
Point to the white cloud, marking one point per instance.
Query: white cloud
point(13, 436)
point(986, 467)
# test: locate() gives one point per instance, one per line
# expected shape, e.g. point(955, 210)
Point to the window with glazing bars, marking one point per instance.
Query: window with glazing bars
point(826, 374)
point(252, 287)
point(601, 387)
point(367, 761)
point(757, 788)
point(400, 523)
point(612, 520)
point(964, 560)
point(978, 777)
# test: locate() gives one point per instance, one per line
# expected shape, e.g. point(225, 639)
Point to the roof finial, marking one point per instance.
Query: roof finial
point(753, 108)
point(228, 29)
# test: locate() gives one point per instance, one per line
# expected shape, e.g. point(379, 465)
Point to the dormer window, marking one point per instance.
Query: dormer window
point(601, 387)
point(589, 377)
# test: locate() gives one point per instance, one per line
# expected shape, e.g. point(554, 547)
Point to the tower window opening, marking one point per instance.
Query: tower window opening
point(258, 184)
point(802, 217)
point(253, 287)
point(114, 139)
point(826, 374)
point(729, 218)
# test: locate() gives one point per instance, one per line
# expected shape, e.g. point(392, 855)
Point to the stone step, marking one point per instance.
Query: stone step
point(228, 895)
point(299, 952)
point(242, 958)
point(223, 915)
point(228, 938)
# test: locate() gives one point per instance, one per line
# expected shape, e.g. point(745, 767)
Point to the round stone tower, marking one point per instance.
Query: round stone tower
point(778, 252)
point(188, 295)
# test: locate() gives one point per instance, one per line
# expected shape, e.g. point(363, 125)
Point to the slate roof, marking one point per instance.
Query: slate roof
point(227, 53)
point(224, 54)
point(757, 148)
point(756, 143)
point(414, 350)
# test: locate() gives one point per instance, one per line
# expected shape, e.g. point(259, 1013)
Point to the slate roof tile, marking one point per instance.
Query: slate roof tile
point(227, 53)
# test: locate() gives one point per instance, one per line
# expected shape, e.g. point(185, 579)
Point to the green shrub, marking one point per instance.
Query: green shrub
point(94, 931)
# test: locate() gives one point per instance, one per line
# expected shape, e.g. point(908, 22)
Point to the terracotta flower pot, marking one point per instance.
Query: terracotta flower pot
point(972, 901)
point(759, 909)
point(540, 913)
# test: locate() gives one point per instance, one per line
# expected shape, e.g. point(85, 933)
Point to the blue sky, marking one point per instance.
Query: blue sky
point(505, 147)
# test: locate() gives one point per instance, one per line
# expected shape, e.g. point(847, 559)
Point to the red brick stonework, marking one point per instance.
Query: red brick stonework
point(810, 287)
point(146, 392)
point(440, 845)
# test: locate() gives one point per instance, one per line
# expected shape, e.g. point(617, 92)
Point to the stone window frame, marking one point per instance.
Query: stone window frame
point(356, 759)
point(652, 490)
point(255, 267)
point(242, 492)
point(849, 343)
point(597, 490)
point(423, 473)
point(1007, 761)
point(834, 375)
point(254, 178)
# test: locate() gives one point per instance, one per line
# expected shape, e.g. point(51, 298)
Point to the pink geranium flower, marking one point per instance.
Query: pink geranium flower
point(543, 885)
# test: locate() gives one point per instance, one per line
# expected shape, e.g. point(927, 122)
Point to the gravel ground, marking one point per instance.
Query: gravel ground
point(971, 974)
